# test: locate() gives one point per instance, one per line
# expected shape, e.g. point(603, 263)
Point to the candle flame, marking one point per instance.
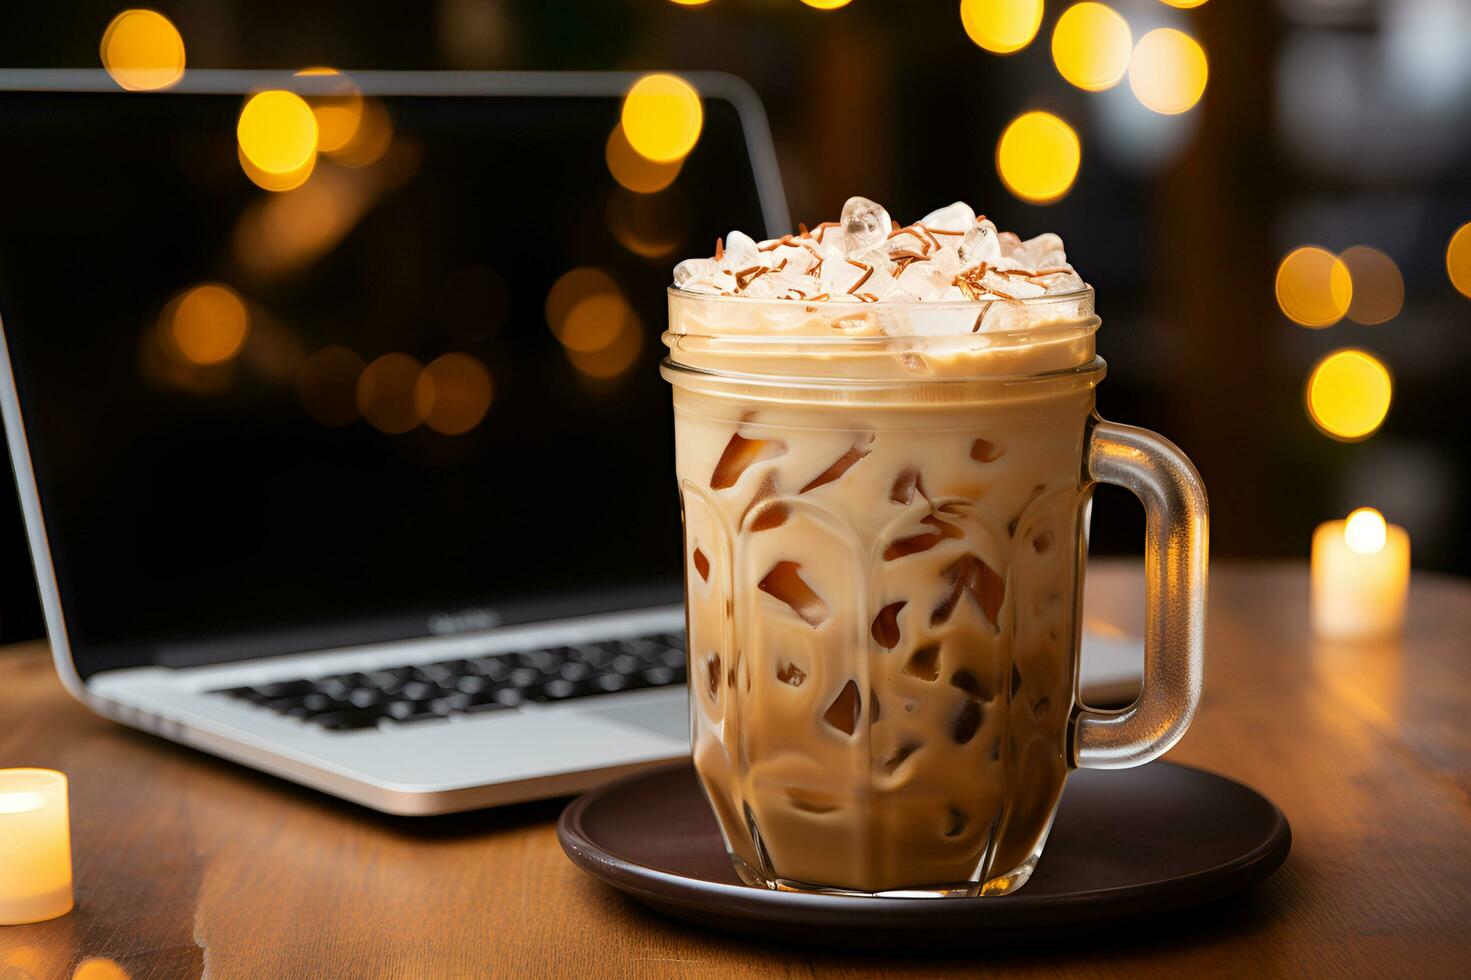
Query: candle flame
point(1365, 531)
point(21, 802)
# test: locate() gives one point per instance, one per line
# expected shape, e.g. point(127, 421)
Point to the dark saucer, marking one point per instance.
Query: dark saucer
point(1158, 838)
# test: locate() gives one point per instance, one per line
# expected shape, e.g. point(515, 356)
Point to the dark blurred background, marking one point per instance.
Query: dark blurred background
point(1334, 123)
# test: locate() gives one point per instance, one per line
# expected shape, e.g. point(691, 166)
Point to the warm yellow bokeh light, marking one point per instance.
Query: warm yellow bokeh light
point(1184, 4)
point(690, 3)
point(142, 50)
point(327, 384)
point(593, 322)
point(277, 132)
point(662, 117)
point(823, 4)
point(1168, 71)
point(1365, 531)
point(385, 393)
point(1091, 45)
point(1458, 259)
point(1001, 26)
point(1038, 156)
point(617, 357)
point(1348, 395)
point(266, 180)
point(99, 968)
point(338, 112)
point(571, 288)
point(1378, 287)
point(453, 394)
point(208, 324)
point(371, 139)
point(650, 226)
point(634, 170)
point(1314, 287)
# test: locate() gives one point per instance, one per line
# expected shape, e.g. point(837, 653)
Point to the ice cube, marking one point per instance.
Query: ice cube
point(980, 244)
point(740, 252)
point(738, 456)
point(841, 465)
point(923, 541)
point(865, 225)
point(784, 583)
point(954, 217)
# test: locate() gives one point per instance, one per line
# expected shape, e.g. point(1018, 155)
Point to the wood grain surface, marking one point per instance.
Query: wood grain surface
point(188, 866)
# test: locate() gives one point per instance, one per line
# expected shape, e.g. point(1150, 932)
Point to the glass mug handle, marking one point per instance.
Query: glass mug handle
point(1176, 541)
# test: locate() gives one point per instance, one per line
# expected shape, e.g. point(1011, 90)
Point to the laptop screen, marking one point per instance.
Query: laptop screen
point(267, 421)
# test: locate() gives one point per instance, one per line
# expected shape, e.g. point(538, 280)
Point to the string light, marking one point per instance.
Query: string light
point(1038, 157)
point(1365, 532)
point(1378, 288)
point(277, 137)
point(385, 394)
point(635, 171)
point(208, 324)
point(827, 4)
point(453, 394)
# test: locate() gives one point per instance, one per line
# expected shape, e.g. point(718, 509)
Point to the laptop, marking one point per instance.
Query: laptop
point(252, 531)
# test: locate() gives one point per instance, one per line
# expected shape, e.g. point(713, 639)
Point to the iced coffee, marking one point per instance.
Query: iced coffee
point(881, 437)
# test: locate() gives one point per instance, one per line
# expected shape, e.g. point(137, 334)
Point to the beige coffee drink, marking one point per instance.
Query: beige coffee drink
point(881, 433)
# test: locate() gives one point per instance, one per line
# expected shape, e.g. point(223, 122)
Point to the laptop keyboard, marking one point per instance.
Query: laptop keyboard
point(472, 685)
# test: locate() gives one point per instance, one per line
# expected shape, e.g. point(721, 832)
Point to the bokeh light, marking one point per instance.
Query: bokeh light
point(327, 384)
point(615, 358)
point(266, 180)
point(662, 117)
point(99, 968)
point(1458, 259)
point(1314, 287)
point(651, 226)
point(370, 140)
point(277, 135)
point(1365, 532)
point(825, 4)
point(1038, 157)
point(208, 323)
point(570, 289)
point(385, 393)
point(453, 394)
point(1001, 26)
point(1168, 71)
point(635, 171)
point(1378, 288)
point(284, 232)
point(339, 113)
point(143, 51)
point(1184, 4)
point(1349, 393)
point(689, 3)
point(1091, 45)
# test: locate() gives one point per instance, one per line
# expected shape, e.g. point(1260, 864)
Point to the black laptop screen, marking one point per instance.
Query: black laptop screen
point(247, 435)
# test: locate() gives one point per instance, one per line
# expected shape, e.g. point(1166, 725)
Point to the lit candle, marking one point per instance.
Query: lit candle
point(35, 846)
point(1361, 577)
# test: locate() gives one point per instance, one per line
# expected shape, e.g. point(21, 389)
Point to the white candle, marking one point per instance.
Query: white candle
point(35, 846)
point(1361, 577)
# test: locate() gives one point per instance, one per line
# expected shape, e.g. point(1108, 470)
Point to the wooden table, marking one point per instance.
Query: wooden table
point(186, 865)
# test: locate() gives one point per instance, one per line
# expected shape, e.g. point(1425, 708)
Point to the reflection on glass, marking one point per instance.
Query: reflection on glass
point(1349, 393)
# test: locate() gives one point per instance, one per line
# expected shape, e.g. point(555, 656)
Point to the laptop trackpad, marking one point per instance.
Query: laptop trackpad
point(666, 717)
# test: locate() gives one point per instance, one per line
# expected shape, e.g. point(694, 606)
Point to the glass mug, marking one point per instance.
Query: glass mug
point(884, 547)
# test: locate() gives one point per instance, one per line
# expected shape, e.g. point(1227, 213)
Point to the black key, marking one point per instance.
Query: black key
point(417, 691)
point(450, 703)
point(336, 685)
point(366, 697)
point(546, 661)
point(243, 694)
point(675, 640)
point(349, 719)
point(496, 668)
point(525, 677)
point(673, 659)
point(625, 664)
point(613, 683)
point(391, 679)
point(595, 655)
point(658, 676)
point(412, 711)
point(436, 674)
point(475, 683)
point(480, 707)
point(573, 670)
point(284, 689)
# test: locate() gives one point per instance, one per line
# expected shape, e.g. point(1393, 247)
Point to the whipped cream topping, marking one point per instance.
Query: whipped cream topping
point(867, 257)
